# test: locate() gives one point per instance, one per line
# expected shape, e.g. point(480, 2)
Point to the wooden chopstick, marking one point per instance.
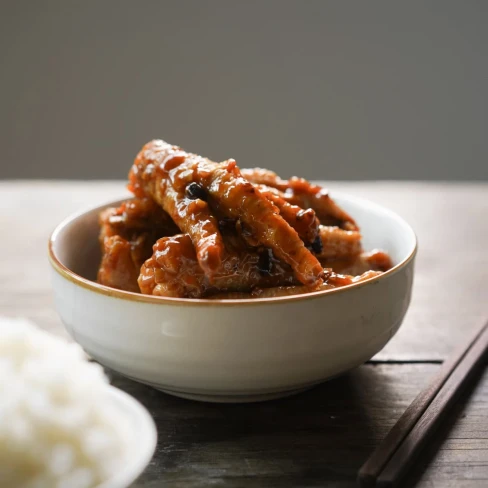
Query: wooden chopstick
point(394, 455)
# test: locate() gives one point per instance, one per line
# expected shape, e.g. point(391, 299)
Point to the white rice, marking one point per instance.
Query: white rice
point(56, 428)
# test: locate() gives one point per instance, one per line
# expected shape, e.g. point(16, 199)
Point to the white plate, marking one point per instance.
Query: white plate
point(142, 442)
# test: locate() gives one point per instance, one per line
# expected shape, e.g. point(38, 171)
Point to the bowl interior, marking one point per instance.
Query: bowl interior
point(75, 241)
point(380, 227)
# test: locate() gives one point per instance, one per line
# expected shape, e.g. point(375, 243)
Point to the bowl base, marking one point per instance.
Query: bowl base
point(217, 397)
point(251, 398)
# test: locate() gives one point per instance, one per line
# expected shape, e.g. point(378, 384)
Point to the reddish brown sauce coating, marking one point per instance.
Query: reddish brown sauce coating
point(164, 171)
point(304, 221)
point(334, 281)
point(375, 260)
point(201, 229)
point(127, 234)
point(301, 192)
point(338, 243)
point(173, 271)
point(118, 268)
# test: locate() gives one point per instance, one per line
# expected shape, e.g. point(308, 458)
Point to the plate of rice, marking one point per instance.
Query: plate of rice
point(61, 423)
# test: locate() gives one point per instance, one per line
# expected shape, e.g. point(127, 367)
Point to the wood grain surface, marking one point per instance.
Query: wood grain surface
point(319, 438)
point(451, 281)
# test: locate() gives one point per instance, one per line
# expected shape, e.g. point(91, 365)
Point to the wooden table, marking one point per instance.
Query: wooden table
point(321, 437)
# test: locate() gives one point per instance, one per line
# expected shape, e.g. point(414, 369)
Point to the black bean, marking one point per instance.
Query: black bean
point(317, 245)
point(265, 261)
point(194, 191)
point(226, 223)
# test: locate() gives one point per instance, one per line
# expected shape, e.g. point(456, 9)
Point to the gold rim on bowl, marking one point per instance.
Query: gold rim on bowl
point(66, 273)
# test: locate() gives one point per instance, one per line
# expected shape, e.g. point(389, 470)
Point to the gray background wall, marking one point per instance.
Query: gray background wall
point(325, 89)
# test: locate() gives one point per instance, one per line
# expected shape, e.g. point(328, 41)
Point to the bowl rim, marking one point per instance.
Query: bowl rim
point(146, 431)
point(93, 286)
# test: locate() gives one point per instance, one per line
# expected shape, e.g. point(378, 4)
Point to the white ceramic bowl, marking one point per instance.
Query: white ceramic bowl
point(141, 443)
point(233, 350)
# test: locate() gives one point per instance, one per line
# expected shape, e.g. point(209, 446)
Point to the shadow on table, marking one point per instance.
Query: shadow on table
point(319, 437)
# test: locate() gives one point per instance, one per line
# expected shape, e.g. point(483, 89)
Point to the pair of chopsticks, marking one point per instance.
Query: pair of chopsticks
point(393, 457)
